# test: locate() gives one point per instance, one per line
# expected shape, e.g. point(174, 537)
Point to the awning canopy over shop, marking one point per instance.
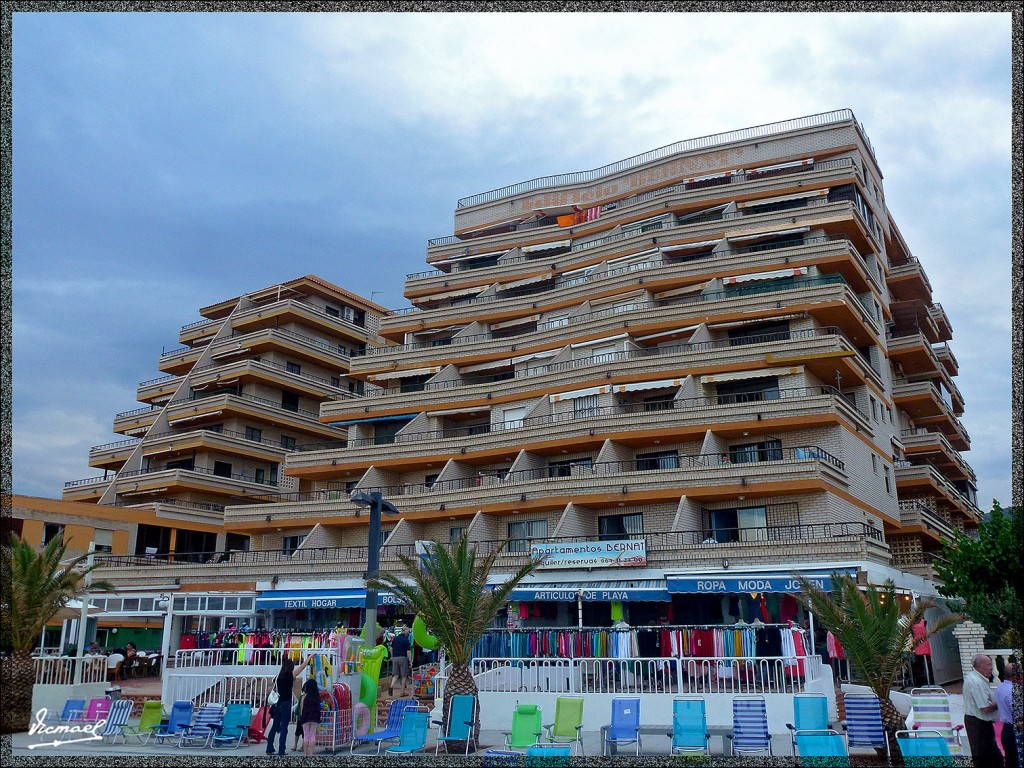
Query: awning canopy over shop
point(319, 599)
point(594, 591)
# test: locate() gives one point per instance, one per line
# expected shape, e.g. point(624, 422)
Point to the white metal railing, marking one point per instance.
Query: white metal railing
point(721, 674)
point(60, 670)
point(213, 657)
point(219, 689)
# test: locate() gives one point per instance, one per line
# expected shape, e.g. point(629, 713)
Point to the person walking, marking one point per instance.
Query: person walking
point(309, 716)
point(980, 714)
point(401, 660)
point(281, 712)
point(1004, 700)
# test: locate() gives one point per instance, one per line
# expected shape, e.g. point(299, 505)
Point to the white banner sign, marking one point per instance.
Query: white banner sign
point(592, 554)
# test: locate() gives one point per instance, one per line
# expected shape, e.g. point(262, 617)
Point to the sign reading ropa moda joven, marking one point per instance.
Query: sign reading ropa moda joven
point(592, 554)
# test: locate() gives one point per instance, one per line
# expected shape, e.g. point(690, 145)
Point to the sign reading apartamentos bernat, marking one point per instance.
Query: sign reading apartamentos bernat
point(592, 554)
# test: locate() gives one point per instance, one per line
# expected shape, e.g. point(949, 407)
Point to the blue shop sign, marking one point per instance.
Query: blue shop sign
point(718, 584)
point(319, 599)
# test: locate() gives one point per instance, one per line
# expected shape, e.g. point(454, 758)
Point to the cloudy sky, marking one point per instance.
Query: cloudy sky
point(166, 161)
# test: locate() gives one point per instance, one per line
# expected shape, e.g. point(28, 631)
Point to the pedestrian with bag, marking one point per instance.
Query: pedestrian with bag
point(280, 701)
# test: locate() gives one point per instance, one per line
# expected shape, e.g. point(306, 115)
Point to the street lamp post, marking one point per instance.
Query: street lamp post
point(376, 504)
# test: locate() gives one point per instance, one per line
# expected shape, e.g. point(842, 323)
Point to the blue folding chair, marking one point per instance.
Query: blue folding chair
point(73, 708)
point(689, 725)
point(625, 725)
point(810, 713)
point(864, 726)
point(824, 748)
point(924, 747)
point(181, 718)
point(412, 735)
point(235, 727)
point(117, 720)
point(548, 755)
point(462, 718)
point(750, 725)
point(208, 724)
point(392, 728)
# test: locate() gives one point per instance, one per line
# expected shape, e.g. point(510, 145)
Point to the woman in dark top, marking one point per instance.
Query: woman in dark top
point(309, 717)
point(282, 711)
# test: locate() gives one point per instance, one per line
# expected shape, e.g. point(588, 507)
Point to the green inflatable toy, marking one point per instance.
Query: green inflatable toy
point(423, 638)
point(372, 659)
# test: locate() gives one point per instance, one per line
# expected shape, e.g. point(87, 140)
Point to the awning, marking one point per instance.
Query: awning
point(688, 246)
point(325, 599)
point(741, 375)
point(515, 323)
point(476, 290)
point(599, 341)
point(546, 246)
point(505, 362)
point(773, 275)
point(674, 332)
point(594, 591)
point(642, 385)
point(172, 422)
point(758, 321)
point(404, 374)
point(432, 331)
point(729, 582)
point(777, 233)
point(681, 291)
point(406, 417)
point(718, 175)
point(528, 281)
point(557, 210)
point(580, 393)
point(777, 166)
point(641, 255)
point(782, 198)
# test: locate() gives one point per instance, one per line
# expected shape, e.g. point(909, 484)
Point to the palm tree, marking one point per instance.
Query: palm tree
point(35, 586)
point(875, 634)
point(448, 590)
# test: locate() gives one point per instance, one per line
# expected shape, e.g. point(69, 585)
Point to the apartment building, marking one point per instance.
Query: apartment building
point(685, 377)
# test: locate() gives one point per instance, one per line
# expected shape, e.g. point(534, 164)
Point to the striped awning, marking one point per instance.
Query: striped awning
point(776, 233)
point(773, 275)
point(549, 246)
point(580, 393)
point(639, 386)
point(742, 375)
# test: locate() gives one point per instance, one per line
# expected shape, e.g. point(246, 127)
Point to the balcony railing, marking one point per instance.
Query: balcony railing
point(597, 412)
point(688, 145)
point(241, 396)
point(147, 409)
point(196, 470)
point(744, 291)
point(182, 435)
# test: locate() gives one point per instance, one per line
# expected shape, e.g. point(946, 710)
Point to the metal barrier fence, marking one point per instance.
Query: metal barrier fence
point(212, 657)
point(747, 675)
point(60, 670)
point(219, 689)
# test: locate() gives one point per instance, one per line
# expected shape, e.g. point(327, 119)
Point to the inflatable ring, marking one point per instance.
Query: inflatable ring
point(423, 638)
point(367, 691)
point(361, 718)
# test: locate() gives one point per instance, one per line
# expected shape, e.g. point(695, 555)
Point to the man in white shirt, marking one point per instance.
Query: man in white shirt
point(1004, 699)
point(980, 713)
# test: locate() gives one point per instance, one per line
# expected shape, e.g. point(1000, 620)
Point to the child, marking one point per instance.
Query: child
point(309, 717)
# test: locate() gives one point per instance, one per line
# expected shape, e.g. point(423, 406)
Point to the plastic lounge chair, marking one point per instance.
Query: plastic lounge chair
point(689, 725)
point(73, 708)
point(750, 725)
point(864, 726)
point(462, 717)
point(548, 755)
point(412, 735)
point(152, 714)
point(259, 724)
point(96, 709)
point(181, 717)
point(810, 713)
point(234, 731)
point(625, 725)
point(924, 747)
point(117, 720)
point(821, 747)
point(929, 708)
point(391, 730)
point(568, 725)
point(526, 727)
point(208, 723)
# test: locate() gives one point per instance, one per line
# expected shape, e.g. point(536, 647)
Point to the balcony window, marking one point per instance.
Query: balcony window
point(188, 464)
point(288, 443)
point(617, 527)
point(52, 531)
point(414, 383)
point(293, 368)
point(456, 532)
point(659, 460)
point(384, 431)
point(261, 475)
point(758, 333)
point(564, 468)
point(520, 533)
point(586, 407)
point(429, 480)
point(290, 543)
point(754, 287)
point(662, 402)
point(290, 401)
point(332, 311)
point(222, 468)
point(740, 524)
point(746, 453)
point(254, 434)
point(748, 390)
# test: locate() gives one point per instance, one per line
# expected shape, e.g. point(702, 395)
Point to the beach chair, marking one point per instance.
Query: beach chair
point(689, 725)
point(72, 709)
point(864, 726)
point(95, 710)
point(181, 717)
point(208, 722)
point(152, 714)
point(924, 747)
point(117, 720)
point(625, 725)
point(392, 728)
point(462, 718)
point(929, 708)
point(412, 735)
point(548, 755)
point(810, 713)
point(259, 724)
point(749, 725)
point(568, 725)
point(822, 747)
point(234, 731)
point(526, 727)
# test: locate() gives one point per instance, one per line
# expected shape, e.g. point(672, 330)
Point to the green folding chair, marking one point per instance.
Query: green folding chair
point(526, 727)
point(152, 714)
point(568, 725)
